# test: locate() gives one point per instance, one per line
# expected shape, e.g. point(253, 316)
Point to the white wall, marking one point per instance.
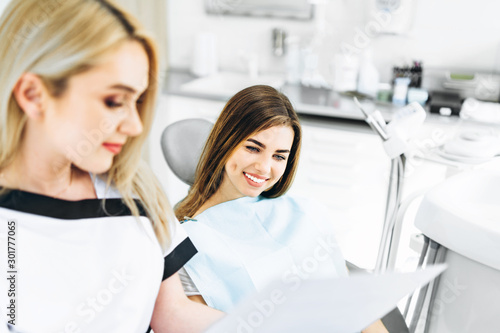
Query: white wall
point(459, 34)
point(3, 4)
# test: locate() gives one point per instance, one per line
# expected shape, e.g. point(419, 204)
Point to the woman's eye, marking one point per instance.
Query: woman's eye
point(140, 99)
point(253, 149)
point(280, 157)
point(111, 103)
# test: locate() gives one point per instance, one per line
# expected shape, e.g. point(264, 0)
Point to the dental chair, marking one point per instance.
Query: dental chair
point(182, 143)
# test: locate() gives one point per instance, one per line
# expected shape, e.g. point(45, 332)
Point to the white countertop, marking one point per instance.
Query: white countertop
point(308, 101)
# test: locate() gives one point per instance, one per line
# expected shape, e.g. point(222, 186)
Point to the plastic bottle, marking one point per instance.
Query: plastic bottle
point(369, 77)
point(293, 60)
point(345, 72)
point(400, 90)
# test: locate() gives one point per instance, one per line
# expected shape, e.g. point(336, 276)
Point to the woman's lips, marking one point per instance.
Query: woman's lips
point(254, 180)
point(114, 148)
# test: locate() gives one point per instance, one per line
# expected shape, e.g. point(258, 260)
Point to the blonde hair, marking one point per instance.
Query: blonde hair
point(251, 110)
point(56, 39)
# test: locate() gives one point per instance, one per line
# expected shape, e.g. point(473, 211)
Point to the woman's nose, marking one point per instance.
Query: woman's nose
point(131, 125)
point(263, 164)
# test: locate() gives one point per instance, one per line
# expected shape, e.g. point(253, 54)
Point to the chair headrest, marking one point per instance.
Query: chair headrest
point(182, 143)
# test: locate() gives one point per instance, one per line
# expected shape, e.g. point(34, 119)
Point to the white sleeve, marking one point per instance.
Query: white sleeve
point(187, 283)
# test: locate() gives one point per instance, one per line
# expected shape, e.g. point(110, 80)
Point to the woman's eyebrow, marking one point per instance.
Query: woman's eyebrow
point(260, 144)
point(127, 88)
point(123, 87)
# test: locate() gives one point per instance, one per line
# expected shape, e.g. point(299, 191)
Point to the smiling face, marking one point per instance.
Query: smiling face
point(257, 163)
point(97, 113)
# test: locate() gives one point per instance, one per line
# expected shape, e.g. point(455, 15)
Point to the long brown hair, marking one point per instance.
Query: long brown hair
point(251, 110)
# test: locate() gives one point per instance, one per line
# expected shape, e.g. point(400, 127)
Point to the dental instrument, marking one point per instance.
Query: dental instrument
point(375, 120)
point(395, 137)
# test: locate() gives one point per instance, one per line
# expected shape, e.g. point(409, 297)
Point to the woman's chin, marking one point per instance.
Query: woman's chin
point(95, 168)
point(253, 194)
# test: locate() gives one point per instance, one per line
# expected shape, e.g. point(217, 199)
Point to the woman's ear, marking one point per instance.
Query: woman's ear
point(29, 92)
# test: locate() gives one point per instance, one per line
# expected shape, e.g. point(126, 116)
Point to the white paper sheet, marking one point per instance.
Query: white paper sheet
point(342, 305)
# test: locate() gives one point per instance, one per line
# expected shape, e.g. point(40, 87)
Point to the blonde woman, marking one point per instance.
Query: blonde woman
point(92, 242)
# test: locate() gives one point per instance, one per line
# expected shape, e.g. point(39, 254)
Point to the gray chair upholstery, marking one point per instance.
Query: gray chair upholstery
point(182, 143)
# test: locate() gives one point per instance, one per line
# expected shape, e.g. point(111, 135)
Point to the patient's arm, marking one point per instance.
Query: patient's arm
point(197, 299)
point(190, 288)
point(376, 327)
point(174, 313)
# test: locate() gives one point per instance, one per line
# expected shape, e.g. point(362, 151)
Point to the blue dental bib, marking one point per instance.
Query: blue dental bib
point(245, 244)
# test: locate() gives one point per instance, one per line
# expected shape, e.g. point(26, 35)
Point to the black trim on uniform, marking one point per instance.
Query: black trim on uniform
point(178, 258)
point(38, 204)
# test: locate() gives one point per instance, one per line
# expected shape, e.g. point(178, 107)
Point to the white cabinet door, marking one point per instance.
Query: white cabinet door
point(348, 171)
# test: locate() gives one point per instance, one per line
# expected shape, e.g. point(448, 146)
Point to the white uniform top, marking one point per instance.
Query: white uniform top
point(80, 268)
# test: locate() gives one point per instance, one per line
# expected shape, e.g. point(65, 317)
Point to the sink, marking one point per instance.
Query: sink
point(463, 214)
point(226, 84)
